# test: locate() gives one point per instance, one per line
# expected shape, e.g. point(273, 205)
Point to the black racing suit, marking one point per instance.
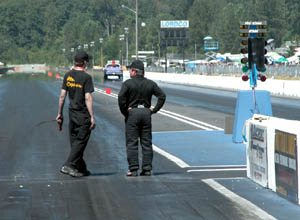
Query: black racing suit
point(134, 103)
point(77, 83)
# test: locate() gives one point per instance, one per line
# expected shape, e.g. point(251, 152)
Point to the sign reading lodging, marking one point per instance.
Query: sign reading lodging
point(286, 165)
point(174, 24)
point(257, 153)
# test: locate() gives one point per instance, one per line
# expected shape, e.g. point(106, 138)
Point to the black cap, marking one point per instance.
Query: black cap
point(81, 56)
point(137, 64)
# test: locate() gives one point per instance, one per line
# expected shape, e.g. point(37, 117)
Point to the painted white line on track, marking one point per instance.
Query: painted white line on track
point(182, 118)
point(185, 121)
point(104, 93)
point(185, 131)
point(219, 166)
point(217, 170)
point(171, 157)
point(192, 120)
point(244, 205)
point(232, 178)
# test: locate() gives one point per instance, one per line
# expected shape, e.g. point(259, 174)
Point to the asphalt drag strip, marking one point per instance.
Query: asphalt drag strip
point(33, 150)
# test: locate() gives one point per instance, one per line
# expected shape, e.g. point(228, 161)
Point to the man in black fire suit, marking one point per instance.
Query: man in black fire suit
point(135, 104)
point(79, 85)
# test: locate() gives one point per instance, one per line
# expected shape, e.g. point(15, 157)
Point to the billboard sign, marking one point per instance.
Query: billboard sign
point(258, 154)
point(253, 29)
point(174, 24)
point(286, 165)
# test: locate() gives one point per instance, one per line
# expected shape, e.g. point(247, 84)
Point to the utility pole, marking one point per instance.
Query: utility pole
point(101, 51)
point(195, 51)
point(166, 59)
point(158, 48)
point(136, 26)
point(92, 44)
point(136, 30)
point(64, 52)
point(122, 37)
point(126, 34)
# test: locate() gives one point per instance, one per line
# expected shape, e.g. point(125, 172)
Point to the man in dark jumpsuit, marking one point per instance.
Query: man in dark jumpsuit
point(79, 85)
point(135, 104)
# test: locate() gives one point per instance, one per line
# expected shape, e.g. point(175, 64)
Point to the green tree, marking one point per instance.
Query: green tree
point(201, 16)
point(226, 27)
point(38, 30)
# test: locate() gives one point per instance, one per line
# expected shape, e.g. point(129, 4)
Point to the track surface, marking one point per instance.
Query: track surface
point(33, 150)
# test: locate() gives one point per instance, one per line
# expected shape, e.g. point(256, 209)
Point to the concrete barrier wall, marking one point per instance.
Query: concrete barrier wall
point(30, 68)
point(275, 87)
point(273, 154)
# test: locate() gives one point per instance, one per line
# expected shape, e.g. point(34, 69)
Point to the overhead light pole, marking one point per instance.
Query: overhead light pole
point(101, 51)
point(64, 52)
point(72, 56)
point(92, 44)
point(122, 37)
point(136, 27)
point(126, 34)
point(136, 30)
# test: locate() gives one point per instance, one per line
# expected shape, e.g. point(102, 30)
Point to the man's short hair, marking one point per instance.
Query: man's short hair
point(80, 57)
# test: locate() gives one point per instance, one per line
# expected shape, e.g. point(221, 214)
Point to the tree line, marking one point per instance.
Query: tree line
point(45, 31)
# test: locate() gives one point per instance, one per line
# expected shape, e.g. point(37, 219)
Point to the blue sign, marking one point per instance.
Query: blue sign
point(253, 30)
point(211, 45)
point(191, 65)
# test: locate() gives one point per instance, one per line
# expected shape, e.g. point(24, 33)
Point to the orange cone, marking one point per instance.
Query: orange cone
point(108, 90)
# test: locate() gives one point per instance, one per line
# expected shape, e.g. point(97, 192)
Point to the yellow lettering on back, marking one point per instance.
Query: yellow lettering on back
point(69, 84)
point(71, 79)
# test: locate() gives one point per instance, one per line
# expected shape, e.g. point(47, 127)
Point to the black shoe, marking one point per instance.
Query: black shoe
point(145, 173)
point(70, 171)
point(86, 172)
point(65, 170)
point(132, 173)
point(76, 173)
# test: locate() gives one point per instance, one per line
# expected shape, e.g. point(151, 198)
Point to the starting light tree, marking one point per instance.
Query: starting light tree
point(254, 51)
point(258, 52)
point(254, 43)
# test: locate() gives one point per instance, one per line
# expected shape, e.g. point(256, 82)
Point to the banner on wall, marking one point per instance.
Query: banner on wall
point(286, 172)
point(257, 154)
